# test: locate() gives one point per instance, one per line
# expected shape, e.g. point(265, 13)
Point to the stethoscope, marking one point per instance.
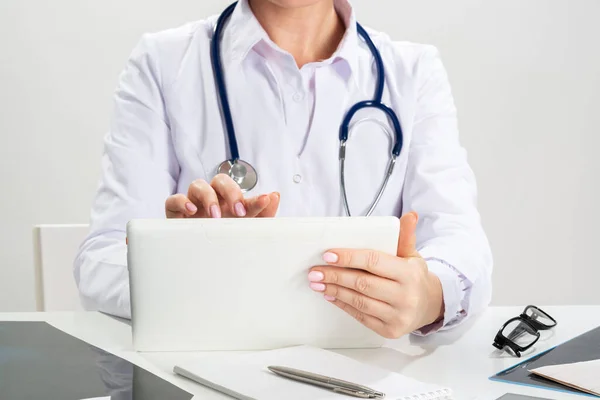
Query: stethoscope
point(245, 175)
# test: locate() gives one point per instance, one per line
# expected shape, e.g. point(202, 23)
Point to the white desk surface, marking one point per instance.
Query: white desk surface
point(462, 359)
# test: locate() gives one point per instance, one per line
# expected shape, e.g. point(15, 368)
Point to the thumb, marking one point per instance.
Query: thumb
point(271, 210)
point(408, 238)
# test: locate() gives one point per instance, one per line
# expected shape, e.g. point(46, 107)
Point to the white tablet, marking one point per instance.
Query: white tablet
point(241, 284)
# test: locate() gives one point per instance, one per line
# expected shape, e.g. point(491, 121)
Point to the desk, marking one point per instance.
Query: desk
point(462, 359)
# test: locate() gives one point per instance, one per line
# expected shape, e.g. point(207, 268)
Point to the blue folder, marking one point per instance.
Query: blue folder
point(585, 347)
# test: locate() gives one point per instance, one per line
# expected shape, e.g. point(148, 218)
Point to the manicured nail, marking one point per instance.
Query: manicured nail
point(317, 287)
point(215, 211)
point(330, 258)
point(414, 217)
point(329, 298)
point(191, 207)
point(316, 276)
point(240, 210)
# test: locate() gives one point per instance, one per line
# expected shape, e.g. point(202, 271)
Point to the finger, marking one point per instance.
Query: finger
point(256, 205)
point(271, 210)
point(204, 196)
point(359, 281)
point(373, 323)
point(407, 240)
point(358, 301)
point(231, 193)
point(375, 262)
point(179, 206)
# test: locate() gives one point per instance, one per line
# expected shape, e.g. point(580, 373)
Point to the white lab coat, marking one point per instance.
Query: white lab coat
point(167, 131)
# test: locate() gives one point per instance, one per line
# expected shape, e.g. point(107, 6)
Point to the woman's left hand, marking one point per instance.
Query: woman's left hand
point(392, 295)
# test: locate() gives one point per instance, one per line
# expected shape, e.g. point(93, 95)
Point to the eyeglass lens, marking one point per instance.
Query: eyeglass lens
point(520, 333)
point(539, 316)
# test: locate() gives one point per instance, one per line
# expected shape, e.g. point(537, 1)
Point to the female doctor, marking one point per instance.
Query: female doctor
point(291, 108)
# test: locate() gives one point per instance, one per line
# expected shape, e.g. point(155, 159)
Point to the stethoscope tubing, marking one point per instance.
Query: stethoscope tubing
point(220, 82)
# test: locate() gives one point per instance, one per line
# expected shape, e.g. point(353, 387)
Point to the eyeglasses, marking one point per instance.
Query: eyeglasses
point(520, 333)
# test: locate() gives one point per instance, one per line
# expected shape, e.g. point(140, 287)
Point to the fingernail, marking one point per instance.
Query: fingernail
point(330, 258)
point(409, 216)
point(414, 217)
point(316, 276)
point(317, 287)
point(215, 211)
point(329, 298)
point(240, 210)
point(191, 207)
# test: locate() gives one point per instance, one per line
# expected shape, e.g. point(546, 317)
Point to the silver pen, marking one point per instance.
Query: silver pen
point(336, 385)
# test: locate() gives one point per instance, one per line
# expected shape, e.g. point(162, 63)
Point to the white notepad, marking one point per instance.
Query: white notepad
point(246, 377)
point(584, 376)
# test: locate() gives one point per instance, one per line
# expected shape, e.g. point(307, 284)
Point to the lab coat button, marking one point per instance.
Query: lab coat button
point(297, 178)
point(298, 97)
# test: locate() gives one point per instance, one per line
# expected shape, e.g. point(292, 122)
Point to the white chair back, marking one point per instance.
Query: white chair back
point(55, 248)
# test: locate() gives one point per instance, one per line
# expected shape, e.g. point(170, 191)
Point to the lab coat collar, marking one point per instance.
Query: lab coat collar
point(243, 33)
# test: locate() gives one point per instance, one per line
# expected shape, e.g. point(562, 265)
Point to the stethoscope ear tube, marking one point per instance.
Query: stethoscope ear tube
point(393, 118)
point(389, 171)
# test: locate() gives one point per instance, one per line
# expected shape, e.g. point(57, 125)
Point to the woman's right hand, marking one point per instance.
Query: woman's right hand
point(221, 198)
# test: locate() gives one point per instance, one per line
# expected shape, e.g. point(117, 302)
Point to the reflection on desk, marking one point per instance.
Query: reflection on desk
point(38, 361)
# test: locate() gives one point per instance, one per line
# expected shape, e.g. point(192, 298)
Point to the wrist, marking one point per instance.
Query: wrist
point(435, 300)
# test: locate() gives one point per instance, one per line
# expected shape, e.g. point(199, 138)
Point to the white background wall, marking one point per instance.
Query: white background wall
point(526, 77)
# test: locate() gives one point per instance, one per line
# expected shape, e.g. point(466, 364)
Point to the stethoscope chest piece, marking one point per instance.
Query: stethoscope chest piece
point(241, 172)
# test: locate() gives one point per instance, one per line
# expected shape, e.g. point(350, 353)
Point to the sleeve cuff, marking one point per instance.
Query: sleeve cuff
point(454, 292)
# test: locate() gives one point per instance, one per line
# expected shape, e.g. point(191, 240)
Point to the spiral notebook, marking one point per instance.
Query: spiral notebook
point(246, 376)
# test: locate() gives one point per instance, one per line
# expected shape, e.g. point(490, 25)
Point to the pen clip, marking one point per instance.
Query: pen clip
point(359, 394)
